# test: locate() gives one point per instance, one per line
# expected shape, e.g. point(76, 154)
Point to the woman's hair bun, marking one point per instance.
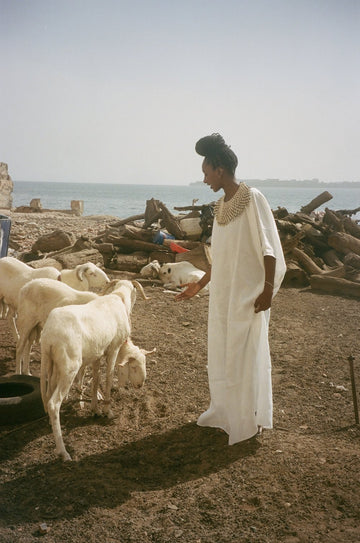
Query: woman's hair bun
point(210, 145)
point(217, 153)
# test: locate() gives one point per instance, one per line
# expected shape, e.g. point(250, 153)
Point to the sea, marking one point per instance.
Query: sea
point(124, 200)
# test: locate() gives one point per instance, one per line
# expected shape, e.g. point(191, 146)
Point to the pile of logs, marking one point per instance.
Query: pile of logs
point(322, 250)
point(128, 245)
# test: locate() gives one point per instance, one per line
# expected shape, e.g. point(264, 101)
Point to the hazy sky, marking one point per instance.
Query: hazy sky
point(120, 91)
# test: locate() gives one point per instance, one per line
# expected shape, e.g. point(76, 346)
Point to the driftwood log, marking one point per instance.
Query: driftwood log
point(331, 258)
point(316, 202)
point(128, 220)
point(306, 262)
point(71, 260)
point(344, 243)
point(200, 257)
point(295, 276)
point(335, 285)
point(131, 263)
point(133, 245)
point(53, 242)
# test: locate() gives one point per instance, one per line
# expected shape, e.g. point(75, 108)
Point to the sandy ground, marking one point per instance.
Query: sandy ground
point(153, 475)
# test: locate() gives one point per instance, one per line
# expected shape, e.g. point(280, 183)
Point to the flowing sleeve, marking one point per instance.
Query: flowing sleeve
point(269, 236)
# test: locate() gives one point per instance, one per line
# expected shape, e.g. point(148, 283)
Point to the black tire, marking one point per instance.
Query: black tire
point(20, 399)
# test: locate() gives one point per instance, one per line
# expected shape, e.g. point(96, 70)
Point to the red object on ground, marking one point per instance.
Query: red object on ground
point(177, 249)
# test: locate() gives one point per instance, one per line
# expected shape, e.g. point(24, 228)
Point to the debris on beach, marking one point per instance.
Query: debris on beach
point(322, 248)
point(35, 206)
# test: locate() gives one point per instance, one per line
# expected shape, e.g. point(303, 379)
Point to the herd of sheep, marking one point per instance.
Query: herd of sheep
point(78, 327)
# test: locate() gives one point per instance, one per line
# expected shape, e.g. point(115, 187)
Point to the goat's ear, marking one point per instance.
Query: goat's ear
point(122, 297)
point(124, 361)
point(109, 287)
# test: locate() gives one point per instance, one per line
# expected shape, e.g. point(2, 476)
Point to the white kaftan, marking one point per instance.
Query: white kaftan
point(239, 364)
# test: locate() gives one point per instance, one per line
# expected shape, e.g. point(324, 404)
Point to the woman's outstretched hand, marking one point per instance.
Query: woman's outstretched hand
point(189, 292)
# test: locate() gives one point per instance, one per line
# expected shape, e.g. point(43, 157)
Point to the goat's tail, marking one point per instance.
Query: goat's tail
point(46, 374)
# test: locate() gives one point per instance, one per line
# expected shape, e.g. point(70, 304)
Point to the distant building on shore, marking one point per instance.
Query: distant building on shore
point(6, 187)
point(311, 183)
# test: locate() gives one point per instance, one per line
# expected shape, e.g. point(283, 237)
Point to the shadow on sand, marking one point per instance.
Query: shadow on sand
point(159, 461)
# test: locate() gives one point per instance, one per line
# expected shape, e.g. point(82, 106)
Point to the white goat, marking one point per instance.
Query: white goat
point(38, 297)
point(74, 337)
point(175, 274)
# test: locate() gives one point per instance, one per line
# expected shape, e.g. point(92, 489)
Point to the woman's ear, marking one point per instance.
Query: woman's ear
point(220, 171)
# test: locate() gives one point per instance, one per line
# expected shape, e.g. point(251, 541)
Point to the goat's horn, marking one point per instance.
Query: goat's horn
point(80, 270)
point(138, 286)
point(148, 352)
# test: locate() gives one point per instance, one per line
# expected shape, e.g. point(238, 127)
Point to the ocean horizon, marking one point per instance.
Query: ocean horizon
point(125, 200)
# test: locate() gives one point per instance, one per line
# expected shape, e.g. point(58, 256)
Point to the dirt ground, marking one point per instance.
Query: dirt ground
point(152, 475)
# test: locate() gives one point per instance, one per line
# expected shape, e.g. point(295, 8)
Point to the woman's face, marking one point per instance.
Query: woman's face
point(212, 176)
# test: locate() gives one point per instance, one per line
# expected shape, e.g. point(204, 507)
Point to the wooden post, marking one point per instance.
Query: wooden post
point(35, 203)
point(353, 387)
point(77, 206)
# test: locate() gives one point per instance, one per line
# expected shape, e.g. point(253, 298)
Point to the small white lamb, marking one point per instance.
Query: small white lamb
point(175, 274)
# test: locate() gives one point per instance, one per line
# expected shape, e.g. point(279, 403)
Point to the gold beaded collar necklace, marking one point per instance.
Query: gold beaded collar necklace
point(225, 212)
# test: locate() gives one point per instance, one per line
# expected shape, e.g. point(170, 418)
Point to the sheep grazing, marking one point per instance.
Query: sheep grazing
point(38, 297)
point(176, 274)
point(77, 336)
point(131, 363)
point(14, 274)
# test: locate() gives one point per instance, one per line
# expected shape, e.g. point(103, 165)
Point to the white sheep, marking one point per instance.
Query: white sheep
point(125, 289)
point(175, 274)
point(151, 270)
point(38, 297)
point(131, 364)
point(84, 277)
point(14, 274)
point(74, 337)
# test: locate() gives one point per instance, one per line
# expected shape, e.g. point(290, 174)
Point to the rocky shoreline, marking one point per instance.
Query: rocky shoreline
point(26, 228)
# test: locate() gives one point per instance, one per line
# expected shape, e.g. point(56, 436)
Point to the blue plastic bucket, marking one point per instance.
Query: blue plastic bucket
point(5, 225)
point(160, 236)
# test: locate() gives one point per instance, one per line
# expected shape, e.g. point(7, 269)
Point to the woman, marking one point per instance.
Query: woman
point(247, 269)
